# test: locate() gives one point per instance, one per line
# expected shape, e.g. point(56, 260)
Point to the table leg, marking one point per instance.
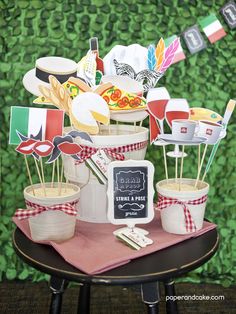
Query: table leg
point(84, 299)
point(151, 296)
point(171, 304)
point(57, 286)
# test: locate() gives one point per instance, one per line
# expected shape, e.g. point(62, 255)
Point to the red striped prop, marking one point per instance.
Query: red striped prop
point(164, 202)
point(115, 152)
point(67, 208)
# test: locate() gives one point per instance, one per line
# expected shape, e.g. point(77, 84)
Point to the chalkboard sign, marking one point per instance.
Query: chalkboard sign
point(130, 192)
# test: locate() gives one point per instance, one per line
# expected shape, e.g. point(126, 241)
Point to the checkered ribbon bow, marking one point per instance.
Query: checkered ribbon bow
point(67, 208)
point(115, 152)
point(164, 202)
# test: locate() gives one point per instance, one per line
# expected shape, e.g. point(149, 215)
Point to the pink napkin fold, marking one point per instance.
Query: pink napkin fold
point(94, 249)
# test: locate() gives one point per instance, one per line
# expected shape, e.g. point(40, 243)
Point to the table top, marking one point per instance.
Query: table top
point(164, 264)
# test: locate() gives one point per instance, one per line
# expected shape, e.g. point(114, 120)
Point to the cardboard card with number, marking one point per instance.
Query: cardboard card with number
point(31, 121)
point(130, 192)
point(229, 13)
point(194, 39)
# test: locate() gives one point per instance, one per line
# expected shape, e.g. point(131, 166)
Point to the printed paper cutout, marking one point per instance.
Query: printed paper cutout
point(43, 148)
point(86, 110)
point(157, 99)
point(30, 121)
point(69, 148)
point(229, 13)
point(179, 54)
point(149, 78)
point(151, 57)
point(82, 135)
point(198, 114)
point(118, 99)
point(93, 42)
point(194, 39)
point(26, 147)
point(159, 52)
point(153, 128)
point(56, 151)
point(212, 27)
point(176, 109)
point(87, 68)
point(134, 55)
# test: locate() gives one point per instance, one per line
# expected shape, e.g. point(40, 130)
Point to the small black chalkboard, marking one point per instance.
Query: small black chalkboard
point(130, 191)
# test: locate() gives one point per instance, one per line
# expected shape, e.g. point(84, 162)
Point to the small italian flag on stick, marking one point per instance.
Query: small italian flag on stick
point(34, 121)
point(179, 54)
point(212, 28)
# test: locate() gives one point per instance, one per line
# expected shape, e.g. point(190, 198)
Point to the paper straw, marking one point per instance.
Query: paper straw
point(210, 160)
point(40, 179)
point(227, 115)
point(181, 168)
point(29, 174)
point(165, 162)
point(199, 171)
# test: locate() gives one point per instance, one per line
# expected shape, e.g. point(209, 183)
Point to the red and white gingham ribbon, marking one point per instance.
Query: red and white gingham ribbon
point(164, 202)
point(115, 152)
point(67, 208)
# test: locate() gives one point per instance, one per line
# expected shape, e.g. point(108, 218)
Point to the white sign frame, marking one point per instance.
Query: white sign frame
point(130, 222)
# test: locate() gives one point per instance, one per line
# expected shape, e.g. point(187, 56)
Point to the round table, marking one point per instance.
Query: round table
point(148, 271)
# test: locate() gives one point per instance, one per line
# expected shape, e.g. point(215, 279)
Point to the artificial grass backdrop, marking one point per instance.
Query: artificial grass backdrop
point(33, 29)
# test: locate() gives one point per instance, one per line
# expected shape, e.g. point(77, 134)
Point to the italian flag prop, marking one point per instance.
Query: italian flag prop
point(212, 28)
point(179, 54)
point(31, 122)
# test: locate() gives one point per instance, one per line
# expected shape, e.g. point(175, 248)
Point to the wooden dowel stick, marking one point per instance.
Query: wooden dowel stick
point(199, 171)
point(42, 171)
point(58, 174)
point(199, 157)
point(29, 174)
point(40, 179)
point(176, 169)
point(181, 168)
point(61, 178)
point(53, 173)
point(165, 162)
point(204, 175)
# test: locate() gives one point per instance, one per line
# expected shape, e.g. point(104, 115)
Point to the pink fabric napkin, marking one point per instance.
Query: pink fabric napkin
point(94, 249)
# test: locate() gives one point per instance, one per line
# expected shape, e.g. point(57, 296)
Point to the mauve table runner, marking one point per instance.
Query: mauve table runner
point(94, 249)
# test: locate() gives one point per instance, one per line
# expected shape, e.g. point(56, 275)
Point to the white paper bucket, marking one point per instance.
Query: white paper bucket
point(52, 225)
point(172, 217)
point(93, 198)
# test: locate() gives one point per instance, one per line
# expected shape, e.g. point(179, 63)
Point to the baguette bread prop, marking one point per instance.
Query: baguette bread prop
point(57, 95)
point(74, 86)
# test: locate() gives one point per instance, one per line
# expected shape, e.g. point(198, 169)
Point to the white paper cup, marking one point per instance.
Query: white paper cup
point(172, 217)
point(183, 129)
point(52, 225)
point(210, 130)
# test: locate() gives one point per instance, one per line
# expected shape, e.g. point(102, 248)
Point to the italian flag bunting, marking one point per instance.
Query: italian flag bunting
point(212, 28)
point(33, 121)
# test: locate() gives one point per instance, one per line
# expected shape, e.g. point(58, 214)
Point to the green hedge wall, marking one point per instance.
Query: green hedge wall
point(36, 28)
